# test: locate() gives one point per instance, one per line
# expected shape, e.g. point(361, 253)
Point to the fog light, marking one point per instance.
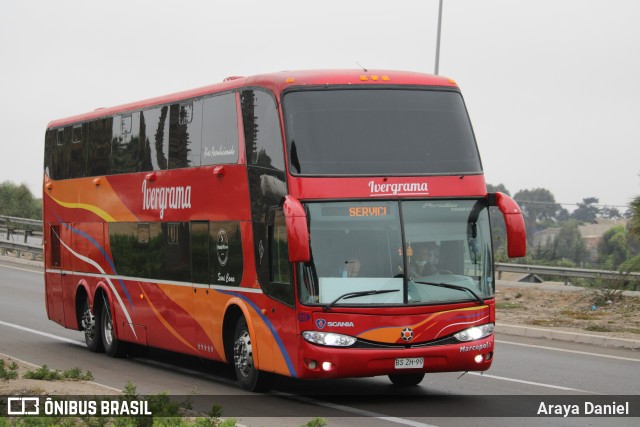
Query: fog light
point(327, 366)
point(311, 364)
point(478, 358)
point(488, 356)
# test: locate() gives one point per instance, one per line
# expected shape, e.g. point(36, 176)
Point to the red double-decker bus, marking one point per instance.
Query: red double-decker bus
point(313, 224)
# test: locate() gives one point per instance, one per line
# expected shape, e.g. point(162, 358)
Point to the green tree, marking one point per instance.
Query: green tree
point(613, 249)
point(608, 212)
point(635, 217)
point(17, 200)
point(539, 208)
point(587, 211)
point(569, 244)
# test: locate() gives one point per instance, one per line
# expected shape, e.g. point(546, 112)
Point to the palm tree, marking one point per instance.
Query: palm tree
point(635, 218)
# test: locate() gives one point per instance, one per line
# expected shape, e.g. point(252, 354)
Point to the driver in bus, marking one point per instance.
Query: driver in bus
point(420, 264)
point(351, 268)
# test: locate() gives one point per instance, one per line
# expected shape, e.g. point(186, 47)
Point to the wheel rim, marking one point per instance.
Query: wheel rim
point(243, 354)
point(108, 327)
point(89, 325)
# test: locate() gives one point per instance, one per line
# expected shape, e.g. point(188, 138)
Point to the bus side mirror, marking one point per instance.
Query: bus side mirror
point(514, 220)
point(297, 230)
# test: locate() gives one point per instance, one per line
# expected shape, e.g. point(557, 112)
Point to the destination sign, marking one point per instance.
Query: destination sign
point(356, 211)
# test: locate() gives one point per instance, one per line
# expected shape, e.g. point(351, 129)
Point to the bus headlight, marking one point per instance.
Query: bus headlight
point(475, 333)
point(328, 338)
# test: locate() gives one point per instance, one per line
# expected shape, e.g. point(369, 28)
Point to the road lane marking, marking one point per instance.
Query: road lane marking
point(349, 409)
point(21, 269)
point(514, 380)
point(584, 353)
point(44, 334)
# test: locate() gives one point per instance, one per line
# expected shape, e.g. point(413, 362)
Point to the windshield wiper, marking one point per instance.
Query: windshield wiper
point(349, 295)
point(450, 286)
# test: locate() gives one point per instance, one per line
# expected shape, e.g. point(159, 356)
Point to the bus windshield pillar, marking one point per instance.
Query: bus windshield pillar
point(297, 230)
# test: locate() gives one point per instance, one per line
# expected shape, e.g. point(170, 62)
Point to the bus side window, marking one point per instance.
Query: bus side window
point(54, 239)
point(125, 144)
point(77, 158)
point(185, 134)
point(262, 134)
point(220, 130)
point(60, 155)
point(154, 135)
point(99, 147)
point(49, 147)
point(280, 284)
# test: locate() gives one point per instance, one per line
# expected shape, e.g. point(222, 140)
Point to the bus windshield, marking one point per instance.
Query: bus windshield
point(379, 132)
point(397, 253)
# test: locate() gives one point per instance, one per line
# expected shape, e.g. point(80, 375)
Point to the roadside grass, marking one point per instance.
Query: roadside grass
point(8, 372)
point(510, 306)
point(545, 322)
point(45, 374)
point(581, 315)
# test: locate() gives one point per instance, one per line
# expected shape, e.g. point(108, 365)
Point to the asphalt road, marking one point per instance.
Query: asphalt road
point(525, 374)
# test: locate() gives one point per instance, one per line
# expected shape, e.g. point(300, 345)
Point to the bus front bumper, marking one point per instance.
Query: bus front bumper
point(316, 362)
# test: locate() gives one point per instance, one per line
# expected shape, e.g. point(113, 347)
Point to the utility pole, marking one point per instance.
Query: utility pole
point(438, 40)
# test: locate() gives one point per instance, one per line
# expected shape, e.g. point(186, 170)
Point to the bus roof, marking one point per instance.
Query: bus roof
point(275, 82)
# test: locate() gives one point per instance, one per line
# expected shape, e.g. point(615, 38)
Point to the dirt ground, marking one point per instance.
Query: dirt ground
point(588, 311)
point(583, 311)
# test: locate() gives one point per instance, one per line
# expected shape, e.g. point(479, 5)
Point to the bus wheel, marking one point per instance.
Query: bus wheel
point(112, 346)
point(406, 380)
point(248, 376)
point(92, 332)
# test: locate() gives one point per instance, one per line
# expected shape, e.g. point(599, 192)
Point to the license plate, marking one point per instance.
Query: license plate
point(409, 362)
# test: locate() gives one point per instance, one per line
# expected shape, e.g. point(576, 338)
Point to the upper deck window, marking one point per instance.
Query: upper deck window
point(379, 132)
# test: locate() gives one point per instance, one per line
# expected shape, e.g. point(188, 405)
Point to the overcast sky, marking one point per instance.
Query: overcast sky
point(552, 86)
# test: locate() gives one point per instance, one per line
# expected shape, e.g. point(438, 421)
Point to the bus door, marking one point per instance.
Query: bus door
point(53, 283)
point(280, 291)
point(69, 264)
point(200, 278)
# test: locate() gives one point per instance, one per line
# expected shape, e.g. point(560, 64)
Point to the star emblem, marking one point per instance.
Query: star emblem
point(406, 334)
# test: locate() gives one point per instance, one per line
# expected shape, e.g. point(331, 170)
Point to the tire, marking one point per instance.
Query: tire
point(112, 346)
point(407, 380)
point(91, 326)
point(248, 376)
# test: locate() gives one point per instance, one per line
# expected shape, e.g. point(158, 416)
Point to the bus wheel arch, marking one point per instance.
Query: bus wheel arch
point(241, 351)
point(105, 315)
point(87, 321)
point(231, 316)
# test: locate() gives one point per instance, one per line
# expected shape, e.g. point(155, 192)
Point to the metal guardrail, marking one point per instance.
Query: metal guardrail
point(8, 233)
point(20, 250)
point(565, 272)
point(22, 221)
point(11, 227)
